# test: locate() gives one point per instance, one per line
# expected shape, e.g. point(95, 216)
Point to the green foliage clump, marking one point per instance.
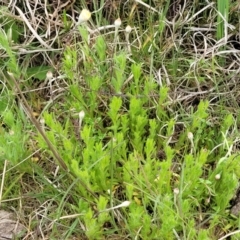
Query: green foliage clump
point(143, 125)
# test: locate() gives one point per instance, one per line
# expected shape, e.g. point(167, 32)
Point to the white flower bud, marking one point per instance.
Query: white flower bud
point(218, 176)
point(81, 114)
point(128, 29)
point(49, 75)
point(176, 191)
point(118, 23)
point(84, 16)
point(190, 136)
point(124, 204)
point(42, 121)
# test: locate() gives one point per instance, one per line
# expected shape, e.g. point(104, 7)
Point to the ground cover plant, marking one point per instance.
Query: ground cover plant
point(119, 119)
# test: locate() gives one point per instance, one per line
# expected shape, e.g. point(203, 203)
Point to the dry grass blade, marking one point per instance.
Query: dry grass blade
point(2, 182)
point(32, 29)
point(229, 234)
point(146, 5)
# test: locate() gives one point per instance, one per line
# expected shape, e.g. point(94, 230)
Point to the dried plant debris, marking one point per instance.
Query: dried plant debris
point(9, 227)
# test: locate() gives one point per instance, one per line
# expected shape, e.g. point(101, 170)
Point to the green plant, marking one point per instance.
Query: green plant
point(140, 115)
point(222, 18)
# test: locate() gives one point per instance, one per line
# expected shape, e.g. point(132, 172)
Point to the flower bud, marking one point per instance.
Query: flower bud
point(118, 23)
point(218, 176)
point(128, 29)
point(42, 121)
point(49, 75)
point(190, 136)
point(176, 191)
point(84, 16)
point(124, 204)
point(81, 114)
